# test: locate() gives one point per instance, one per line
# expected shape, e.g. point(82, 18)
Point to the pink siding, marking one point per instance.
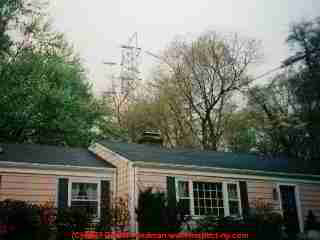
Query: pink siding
point(309, 194)
point(262, 190)
point(310, 199)
point(35, 188)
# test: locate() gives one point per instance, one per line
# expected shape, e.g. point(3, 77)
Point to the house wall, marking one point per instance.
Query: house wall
point(309, 193)
point(310, 199)
point(122, 165)
point(37, 189)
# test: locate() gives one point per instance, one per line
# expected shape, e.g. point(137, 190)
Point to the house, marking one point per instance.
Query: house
point(203, 181)
point(213, 182)
point(63, 176)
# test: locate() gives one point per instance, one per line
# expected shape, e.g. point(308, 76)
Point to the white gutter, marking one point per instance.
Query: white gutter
point(218, 169)
point(41, 166)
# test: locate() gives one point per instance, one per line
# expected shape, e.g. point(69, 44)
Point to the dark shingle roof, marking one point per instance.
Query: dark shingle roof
point(228, 160)
point(52, 155)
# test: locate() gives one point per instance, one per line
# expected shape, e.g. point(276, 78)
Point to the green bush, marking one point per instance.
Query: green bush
point(154, 214)
point(262, 223)
point(114, 216)
point(311, 222)
point(22, 220)
point(71, 220)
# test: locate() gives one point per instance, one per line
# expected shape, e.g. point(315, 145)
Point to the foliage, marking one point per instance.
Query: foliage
point(19, 214)
point(115, 216)
point(290, 104)
point(311, 222)
point(153, 213)
point(240, 133)
point(189, 98)
point(46, 97)
point(71, 219)
point(262, 223)
point(25, 220)
point(207, 71)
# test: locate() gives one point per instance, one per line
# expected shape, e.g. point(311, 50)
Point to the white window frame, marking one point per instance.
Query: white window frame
point(224, 192)
point(85, 180)
point(190, 188)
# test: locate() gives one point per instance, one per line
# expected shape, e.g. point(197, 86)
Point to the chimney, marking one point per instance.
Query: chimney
point(151, 137)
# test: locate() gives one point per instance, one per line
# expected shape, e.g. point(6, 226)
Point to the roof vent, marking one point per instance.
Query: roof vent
point(151, 137)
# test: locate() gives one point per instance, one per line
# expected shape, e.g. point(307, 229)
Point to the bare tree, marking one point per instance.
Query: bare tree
point(207, 71)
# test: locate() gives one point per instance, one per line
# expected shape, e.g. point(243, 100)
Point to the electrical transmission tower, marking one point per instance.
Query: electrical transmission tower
point(130, 61)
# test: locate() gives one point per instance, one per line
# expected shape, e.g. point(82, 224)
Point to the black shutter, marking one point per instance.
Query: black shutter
point(244, 198)
point(63, 193)
point(105, 194)
point(105, 205)
point(172, 202)
point(171, 191)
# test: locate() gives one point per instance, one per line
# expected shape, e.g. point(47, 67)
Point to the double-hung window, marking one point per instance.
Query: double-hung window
point(233, 198)
point(85, 195)
point(184, 196)
point(209, 198)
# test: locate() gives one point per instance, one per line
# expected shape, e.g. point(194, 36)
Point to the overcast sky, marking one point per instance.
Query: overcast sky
point(98, 27)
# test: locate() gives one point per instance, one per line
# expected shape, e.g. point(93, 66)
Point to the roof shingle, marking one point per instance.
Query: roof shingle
point(50, 155)
point(228, 160)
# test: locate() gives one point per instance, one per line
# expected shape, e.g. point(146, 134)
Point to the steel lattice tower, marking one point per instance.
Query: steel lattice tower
point(130, 61)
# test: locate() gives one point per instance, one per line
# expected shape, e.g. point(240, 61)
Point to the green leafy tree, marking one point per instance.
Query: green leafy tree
point(46, 97)
point(290, 104)
point(241, 131)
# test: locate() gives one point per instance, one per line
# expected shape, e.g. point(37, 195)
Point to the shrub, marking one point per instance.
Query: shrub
point(261, 222)
point(154, 215)
point(311, 222)
point(70, 220)
point(114, 217)
point(21, 219)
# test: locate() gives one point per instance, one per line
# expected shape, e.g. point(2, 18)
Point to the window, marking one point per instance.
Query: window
point(184, 196)
point(209, 198)
point(85, 196)
point(233, 198)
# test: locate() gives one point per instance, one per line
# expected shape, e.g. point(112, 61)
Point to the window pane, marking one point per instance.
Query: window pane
point(183, 189)
point(207, 194)
point(196, 202)
point(232, 191)
point(89, 206)
point(84, 191)
point(234, 207)
point(184, 205)
point(195, 193)
point(221, 212)
point(206, 198)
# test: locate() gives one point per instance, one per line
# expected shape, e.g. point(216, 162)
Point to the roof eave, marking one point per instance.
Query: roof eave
point(226, 170)
point(57, 167)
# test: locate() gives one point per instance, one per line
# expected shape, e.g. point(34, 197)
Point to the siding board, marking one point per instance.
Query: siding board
point(28, 187)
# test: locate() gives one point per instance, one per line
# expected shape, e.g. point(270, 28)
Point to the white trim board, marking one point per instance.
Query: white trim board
point(221, 170)
point(224, 175)
point(93, 174)
point(97, 146)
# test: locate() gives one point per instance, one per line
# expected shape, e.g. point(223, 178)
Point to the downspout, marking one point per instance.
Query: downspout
point(131, 196)
point(135, 198)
